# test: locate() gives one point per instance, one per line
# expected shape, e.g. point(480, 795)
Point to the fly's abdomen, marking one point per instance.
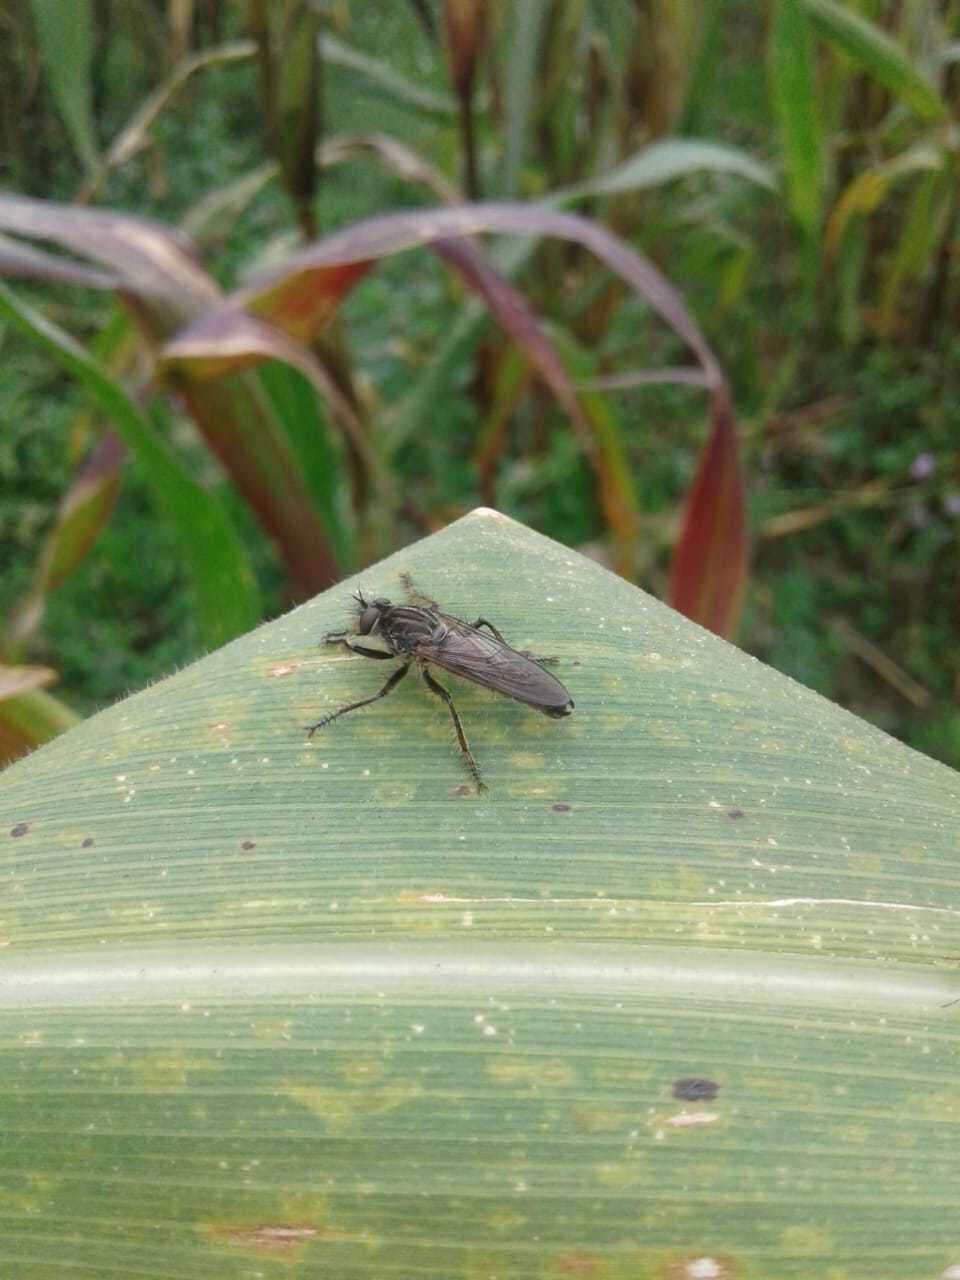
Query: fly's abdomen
point(493, 665)
point(548, 694)
point(559, 709)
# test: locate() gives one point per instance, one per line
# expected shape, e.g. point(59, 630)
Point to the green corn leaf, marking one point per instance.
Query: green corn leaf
point(671, 999)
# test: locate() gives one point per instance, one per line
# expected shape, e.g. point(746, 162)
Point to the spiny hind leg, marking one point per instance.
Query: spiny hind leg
point(524, 653)
point(391, 684)
point(435, 687)
point(482, 622)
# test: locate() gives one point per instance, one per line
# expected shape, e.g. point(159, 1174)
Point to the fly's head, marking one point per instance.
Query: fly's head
point(369, 613)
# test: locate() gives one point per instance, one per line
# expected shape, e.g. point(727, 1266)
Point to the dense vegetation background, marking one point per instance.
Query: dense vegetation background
point(791, 169)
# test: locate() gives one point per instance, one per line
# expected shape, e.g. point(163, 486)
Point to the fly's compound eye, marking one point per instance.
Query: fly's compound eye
point(369, 617)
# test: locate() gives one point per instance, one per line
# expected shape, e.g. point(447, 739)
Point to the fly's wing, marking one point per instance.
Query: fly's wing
point(473, 655)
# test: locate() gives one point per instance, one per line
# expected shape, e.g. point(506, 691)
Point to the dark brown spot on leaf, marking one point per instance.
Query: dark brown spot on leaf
point(86, 842)
point(734, 813)
point(248, 844)
point(20, 829)
point(562, 808)
point(695, 1088)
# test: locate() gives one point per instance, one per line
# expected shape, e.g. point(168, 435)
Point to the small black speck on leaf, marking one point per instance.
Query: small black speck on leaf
point(562, 808)
point(695, 1089)
point(248, 844)
point(86, 842)
point(734, 813)
point(20, 829)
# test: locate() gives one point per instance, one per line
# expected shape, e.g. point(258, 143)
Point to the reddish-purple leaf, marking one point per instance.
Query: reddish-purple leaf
point(709, 570)
point(153, 262)
point(161, 283)
point(299, 295)
point(239, 427)
point(316, 272)
point(520, 321)
point(302, 302)
point(23, 261)
point(227, 340)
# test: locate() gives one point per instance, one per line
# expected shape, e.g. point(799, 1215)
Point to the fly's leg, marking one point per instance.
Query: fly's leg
point(524, 653)
point(437, 688)
point(391, 684)
point(482, 622)
point(343, 637)
point(414, 595)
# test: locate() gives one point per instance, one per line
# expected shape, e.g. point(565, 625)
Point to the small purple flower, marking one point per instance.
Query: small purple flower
point(951, 504)
point(923, 465)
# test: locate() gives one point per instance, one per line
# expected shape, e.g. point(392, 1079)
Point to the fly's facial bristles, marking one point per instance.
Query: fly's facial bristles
point(360, 602)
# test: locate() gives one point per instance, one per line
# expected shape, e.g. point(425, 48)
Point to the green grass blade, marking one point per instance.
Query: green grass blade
point(874, 52)
point(666, 161)
point(526, 26)
point(65, 36)
point(794, 93)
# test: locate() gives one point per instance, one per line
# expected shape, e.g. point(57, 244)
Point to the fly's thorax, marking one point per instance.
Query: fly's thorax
point(409, 627)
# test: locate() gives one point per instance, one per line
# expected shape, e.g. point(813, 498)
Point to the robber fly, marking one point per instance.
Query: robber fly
point(420, 633)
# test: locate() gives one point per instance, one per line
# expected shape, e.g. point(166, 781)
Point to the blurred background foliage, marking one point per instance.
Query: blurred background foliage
point(791, 168)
